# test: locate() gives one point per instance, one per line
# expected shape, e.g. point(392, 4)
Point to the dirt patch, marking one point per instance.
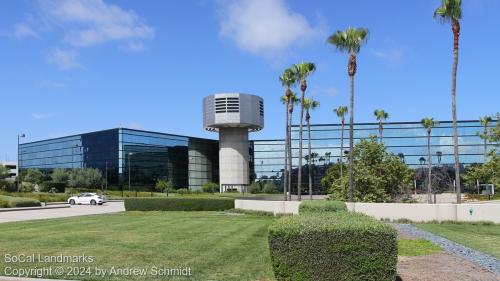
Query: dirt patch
point(441, 267)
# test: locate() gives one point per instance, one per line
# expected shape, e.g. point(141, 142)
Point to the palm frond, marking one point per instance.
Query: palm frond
point(341, 111)
point(449, 10)
point(349, 40)
point(303, 70)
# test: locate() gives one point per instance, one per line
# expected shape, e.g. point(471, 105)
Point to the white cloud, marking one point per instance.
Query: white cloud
point(92, 22)
point(392, 56)
point(23, 30)
point(64, 59)
point(40, 116)
point(264, 27)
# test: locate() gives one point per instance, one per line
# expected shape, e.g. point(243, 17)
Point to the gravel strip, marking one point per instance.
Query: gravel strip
point(483, 260)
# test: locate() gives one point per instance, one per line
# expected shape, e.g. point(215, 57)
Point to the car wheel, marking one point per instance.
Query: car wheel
point(92, 202)
point(72, 202)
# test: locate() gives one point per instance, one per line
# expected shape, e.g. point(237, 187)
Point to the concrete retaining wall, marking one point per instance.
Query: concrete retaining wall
point(275, 207)
point(429, 212)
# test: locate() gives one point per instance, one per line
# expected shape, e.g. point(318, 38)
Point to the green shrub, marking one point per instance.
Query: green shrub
point(13, 202)
point(40, 196)
point(250, 212)
point(270, 188)
point(179, 204)
point(210, 187)
point(183, 191)
point(255, 188)
point(333, 246)
point(321, 206)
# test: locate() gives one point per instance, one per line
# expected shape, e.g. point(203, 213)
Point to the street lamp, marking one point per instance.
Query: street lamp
point(439, 154)
point(19, 161)
point(130, 154)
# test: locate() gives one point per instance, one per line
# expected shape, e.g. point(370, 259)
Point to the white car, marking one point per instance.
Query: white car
point(87, 198)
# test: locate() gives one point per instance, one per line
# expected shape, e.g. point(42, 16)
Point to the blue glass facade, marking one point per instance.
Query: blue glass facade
point(408, 139)
point(148, 156)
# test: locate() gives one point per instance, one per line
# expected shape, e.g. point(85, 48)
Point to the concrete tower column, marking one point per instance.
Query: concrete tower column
point(233, 158)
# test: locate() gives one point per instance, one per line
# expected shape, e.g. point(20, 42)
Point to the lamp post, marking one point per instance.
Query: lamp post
point(439, 155)
point(130, 154)
point(19, 161)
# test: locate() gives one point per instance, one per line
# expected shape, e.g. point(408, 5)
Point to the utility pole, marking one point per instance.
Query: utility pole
point(19, 161)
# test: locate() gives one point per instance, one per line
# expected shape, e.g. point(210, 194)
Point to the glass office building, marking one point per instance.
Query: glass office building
point(147, 156)
point(408, 140)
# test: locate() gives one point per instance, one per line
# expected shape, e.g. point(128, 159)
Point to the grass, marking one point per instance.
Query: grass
point(416, 247)
point(480, 236)
point(215, 245)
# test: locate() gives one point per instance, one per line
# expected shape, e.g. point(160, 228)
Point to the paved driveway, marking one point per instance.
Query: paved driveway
point(77, 210)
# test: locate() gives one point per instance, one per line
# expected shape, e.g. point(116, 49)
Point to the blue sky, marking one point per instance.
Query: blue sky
point(84, 65)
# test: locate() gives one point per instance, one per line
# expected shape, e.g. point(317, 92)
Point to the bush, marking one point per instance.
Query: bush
point(183, 191)
point(210, 187)
point(333, 246)
point(321, 206)
point(270, 188)
point(179, 204)
point(8, 185)
point(40, 196)
point(255, 188)
point(13, 202)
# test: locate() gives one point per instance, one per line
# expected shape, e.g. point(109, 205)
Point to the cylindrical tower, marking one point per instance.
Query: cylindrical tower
point(233, 115)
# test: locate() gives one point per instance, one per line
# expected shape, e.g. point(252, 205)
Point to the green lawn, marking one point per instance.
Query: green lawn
point(416, 247)
point(216, 246)
point(482, 237)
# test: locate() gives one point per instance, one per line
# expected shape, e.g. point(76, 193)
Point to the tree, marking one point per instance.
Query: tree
point(87, 178)
point(350, 41)
point(485, 121)
point(428, 124)
point(60, 175)
point(287, 79)
point(164, 186)
point(489, 172)
point(451, 11)
point(341, 112)
point(381, 116)
point(4, 172)
point(380, 176)
point(309, 105)
point(33, 176)
point(302, 71)
point(293, 101)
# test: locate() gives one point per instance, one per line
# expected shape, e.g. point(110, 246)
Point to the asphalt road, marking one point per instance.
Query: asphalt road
point(76, 210)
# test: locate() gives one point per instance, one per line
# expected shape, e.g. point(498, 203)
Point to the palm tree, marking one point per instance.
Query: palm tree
point(302, 71)
point(429, 123)
point(381, 116)
point(287, 79)
point(451, 11)
point(485, 120)
point(350, 41)
point(309, 104)
point(341, 112)
point(327, 156)
point(293, 101)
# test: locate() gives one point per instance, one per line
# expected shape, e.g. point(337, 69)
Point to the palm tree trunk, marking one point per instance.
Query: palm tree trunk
point(299, 173)
point(342, 147)
point(285, 173)
point(351, 140)
point(429, 173)
point(309, 153)
point(456, 34)
point(380, 131)
point(290, 158)
point(485, 142)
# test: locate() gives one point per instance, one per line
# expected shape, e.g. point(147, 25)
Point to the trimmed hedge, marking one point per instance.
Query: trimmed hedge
point(333, 246)
point(179, 204)
point(322, 206)
point(13, 202)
